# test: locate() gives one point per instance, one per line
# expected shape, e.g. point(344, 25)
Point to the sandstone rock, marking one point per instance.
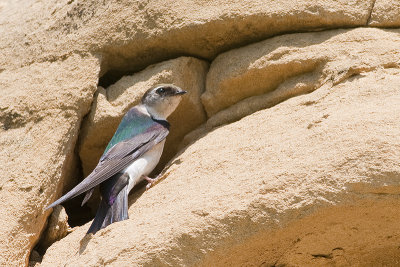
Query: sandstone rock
point(34, 264)
point(52, 54)
point(132, 35)
point(111, 104)
point(34, 259)
point(253, 178)
point(41, 107)
point(57, 227)
point(385, 13)
point(361, 234)
point(290, 65)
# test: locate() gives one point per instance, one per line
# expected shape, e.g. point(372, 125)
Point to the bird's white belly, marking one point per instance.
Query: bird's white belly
point(144, 165)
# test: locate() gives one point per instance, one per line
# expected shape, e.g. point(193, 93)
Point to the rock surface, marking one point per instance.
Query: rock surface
point(132, 35)
point(35, 259)
point(57, 227)
point(296, 63)
point(338, 144)
point(214, 204)
point(385, 13)
point(41, 108)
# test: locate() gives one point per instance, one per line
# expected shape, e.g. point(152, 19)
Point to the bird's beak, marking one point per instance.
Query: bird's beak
point(182, 92)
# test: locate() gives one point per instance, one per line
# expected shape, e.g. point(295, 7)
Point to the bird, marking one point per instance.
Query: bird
point(132, 153)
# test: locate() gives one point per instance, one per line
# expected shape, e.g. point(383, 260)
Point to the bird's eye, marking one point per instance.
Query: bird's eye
point(160, 90)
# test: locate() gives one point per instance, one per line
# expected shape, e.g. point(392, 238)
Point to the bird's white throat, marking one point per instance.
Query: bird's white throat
point(162, 110)
point(155, 114)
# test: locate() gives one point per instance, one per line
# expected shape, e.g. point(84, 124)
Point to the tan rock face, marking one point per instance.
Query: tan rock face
point(338, 144)
point(57, 227)
point(41, 109)
point(34, 259)
point(110, 105)
point(235, 184)
point(132, 35)
point(361, 234)
point(385, 14)
point(293, 64)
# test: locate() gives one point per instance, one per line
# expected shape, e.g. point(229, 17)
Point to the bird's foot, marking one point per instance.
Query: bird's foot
point(151, 181)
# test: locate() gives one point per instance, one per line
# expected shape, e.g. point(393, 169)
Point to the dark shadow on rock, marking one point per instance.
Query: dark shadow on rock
point(84, 243)
point(136, 193)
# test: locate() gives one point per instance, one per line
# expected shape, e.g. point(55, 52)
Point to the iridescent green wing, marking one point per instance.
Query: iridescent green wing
point(133, 123)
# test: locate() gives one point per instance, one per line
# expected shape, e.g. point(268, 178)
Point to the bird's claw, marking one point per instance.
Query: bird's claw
point(150, 181)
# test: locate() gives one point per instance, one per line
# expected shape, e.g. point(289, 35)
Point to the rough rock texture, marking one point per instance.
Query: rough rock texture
point(361, 234)
point(134, 34)
point(34, 259)
point(110, 105)
point(53, 53)
point(338, 144)
point(385, 13)
point(297, 63)
point(57, 227)
point(41, 108)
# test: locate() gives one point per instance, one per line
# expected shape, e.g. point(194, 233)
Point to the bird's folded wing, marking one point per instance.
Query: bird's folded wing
point(116, 159)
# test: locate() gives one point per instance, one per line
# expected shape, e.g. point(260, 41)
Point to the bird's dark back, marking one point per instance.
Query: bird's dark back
point(133, 123)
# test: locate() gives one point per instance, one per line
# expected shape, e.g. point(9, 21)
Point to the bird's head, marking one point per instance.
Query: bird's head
point(162, 100)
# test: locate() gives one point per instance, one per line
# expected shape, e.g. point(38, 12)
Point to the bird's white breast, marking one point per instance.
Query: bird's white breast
point(144, 165)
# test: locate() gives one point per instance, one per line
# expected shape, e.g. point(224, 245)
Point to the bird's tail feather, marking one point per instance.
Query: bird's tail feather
point(107, 214)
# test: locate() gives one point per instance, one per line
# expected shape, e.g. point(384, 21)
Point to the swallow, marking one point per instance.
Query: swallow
point(132, 153)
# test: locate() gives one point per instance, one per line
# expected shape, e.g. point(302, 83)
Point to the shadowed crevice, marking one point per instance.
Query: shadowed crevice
point(112, 76)
point(371, 9)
